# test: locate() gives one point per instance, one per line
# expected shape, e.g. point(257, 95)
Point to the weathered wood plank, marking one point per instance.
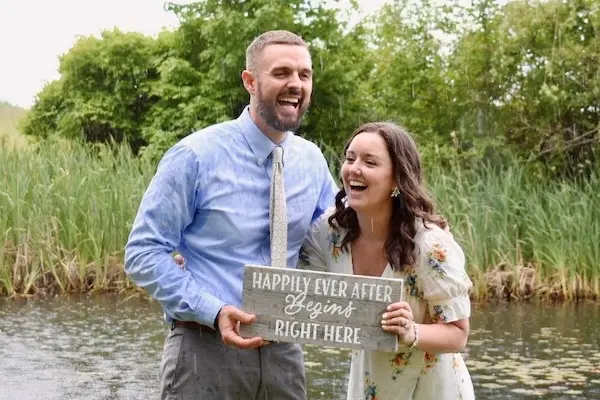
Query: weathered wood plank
point(319, 308)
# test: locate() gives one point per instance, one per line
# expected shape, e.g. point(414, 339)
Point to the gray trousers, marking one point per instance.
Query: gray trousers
point(199, 366)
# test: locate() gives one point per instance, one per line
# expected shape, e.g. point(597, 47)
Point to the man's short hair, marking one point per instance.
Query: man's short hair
point(267, 39)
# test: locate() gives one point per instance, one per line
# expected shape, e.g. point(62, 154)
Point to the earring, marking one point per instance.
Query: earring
point(395, 192)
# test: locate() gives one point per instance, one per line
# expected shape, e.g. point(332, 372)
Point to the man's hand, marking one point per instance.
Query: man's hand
point(447, 230)
point(229, 320)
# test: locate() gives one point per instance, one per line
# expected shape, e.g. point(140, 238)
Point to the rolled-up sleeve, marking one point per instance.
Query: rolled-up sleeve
point(167, 208)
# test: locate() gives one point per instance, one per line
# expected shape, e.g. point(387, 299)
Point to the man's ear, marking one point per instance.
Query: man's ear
point(249, 81)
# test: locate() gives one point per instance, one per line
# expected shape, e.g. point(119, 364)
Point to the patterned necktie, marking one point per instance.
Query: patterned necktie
point(278, 214)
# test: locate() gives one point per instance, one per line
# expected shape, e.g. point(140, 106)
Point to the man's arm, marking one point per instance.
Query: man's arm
point(167, 208)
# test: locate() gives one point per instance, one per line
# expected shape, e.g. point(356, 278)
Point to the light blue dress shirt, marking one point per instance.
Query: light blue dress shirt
point(209, 200)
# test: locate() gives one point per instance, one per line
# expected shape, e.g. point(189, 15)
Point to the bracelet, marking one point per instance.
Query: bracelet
point(414, 344)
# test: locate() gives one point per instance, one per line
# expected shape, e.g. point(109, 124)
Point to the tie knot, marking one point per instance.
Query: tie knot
point(278, 154)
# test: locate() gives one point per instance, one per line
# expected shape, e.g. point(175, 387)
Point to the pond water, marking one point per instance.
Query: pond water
point(108, 348)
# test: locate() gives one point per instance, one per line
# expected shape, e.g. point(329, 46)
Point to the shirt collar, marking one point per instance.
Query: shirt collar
point(259, 143)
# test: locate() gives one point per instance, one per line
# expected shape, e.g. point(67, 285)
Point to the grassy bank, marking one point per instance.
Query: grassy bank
point(523, 237)
point(66, 214)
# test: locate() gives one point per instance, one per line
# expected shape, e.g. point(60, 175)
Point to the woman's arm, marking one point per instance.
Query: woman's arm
point(443, 284)
point(437, 337)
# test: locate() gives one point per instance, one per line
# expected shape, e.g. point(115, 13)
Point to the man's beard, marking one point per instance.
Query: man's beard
point(268, 113)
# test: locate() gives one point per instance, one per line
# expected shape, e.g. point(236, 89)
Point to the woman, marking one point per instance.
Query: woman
point(384, 224)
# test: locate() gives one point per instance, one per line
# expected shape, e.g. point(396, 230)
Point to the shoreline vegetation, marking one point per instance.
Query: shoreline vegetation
point(67, 209)
point(505, 114)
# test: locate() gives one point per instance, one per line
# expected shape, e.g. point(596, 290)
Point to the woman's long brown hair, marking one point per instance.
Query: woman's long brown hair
point(413, 201)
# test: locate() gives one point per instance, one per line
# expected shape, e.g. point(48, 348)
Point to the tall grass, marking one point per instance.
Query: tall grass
point(523, 236)
point(66, 211)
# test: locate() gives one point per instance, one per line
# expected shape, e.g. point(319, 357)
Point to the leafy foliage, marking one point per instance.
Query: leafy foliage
point(531, 71)
point(477, 82)
point(103, 92)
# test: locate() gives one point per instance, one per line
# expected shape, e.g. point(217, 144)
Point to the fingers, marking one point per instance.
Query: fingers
point(230, 317)
point(229, 320)
point(179, 260)
point(398, 321)
point(393, 329)
point(447, 230)
point(406, 335)
point(238, 315)
point(399, 330)
point(233, 339)
point(399, 305)
point(402, 312)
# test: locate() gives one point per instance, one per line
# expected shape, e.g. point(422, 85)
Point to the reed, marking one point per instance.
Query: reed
point(523, 236)
point(67, 209)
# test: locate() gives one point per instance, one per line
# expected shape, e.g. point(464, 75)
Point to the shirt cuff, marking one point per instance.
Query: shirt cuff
point(207, 309)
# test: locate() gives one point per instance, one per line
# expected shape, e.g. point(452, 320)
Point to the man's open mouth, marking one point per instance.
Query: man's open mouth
point(289, 101)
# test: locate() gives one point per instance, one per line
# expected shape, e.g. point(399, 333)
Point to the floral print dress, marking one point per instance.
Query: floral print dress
point(437, 289)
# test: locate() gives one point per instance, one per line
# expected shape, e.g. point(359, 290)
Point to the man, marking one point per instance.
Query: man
point(210, 201)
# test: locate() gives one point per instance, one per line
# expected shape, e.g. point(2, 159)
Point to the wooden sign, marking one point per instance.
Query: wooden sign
point(319, 308)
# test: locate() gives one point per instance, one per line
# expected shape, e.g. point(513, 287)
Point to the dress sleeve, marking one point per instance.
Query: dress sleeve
point(316, 249)
point(442, 278)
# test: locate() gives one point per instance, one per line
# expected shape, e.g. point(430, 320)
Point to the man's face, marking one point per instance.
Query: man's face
point(283, 85)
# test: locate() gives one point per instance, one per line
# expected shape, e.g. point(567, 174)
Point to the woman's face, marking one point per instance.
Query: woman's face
point(367, 173)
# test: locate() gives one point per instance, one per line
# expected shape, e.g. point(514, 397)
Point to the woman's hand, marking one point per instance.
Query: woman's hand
point(398, 318)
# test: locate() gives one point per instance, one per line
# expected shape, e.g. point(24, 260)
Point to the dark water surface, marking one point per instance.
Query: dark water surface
point(104, 347)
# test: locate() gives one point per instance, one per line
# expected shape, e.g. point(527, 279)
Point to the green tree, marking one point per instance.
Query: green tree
point(533, 66)
point(409, 82)
point(479, 81)
point(200, 84)
point(152, 92)
point(103, 91)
